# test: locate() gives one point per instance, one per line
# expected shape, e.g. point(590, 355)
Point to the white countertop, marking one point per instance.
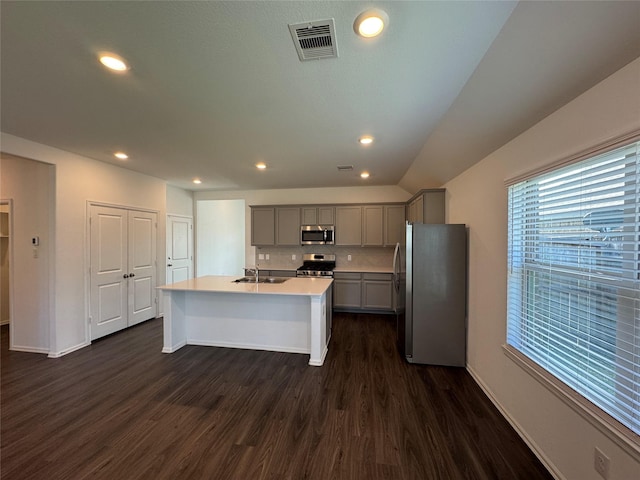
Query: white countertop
point(226, 284)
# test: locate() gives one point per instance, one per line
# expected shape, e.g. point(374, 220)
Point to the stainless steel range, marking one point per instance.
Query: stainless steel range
point(316, 265)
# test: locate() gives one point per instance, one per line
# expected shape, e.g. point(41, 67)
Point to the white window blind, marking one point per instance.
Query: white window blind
point(574, 278)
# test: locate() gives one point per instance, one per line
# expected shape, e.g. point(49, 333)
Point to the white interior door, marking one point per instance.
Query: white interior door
point(179, 249)
point(109, 272)
point(142, 266)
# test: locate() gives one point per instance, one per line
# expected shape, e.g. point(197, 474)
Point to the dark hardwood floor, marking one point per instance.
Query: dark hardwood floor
point(120, 409)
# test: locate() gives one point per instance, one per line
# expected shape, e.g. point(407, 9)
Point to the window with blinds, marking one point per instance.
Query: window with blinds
point(574, 278)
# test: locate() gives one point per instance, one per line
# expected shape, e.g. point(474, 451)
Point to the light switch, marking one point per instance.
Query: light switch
point(261, 256)
point(349, 257)
point(266, 256)
point(293, 257)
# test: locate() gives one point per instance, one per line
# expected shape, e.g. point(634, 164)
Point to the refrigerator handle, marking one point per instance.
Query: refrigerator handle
point(396, 268)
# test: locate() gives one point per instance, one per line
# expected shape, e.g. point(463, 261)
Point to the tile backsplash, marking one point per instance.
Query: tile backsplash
point(360, 256)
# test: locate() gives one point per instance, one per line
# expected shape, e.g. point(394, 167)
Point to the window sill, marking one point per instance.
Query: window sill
point(614, 430)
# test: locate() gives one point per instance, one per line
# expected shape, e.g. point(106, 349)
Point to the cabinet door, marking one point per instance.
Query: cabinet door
point(326, 216)
point(418, 209)
point(347, 291)
point(288, 226)
point(263, 226)
point(309, 216)
point(349, 225)
point(317, 215)
point(373, 226)
point(377, 292)
point(433, 207)
point(394, 225)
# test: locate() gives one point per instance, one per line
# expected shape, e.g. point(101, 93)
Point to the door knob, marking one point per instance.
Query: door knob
point(169, 264)
point(131, 275)
point(125, 276)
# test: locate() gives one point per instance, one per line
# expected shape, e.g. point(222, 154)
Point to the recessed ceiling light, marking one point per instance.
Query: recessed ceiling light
point(261, 166)
point(121, 155)
point(197, 181)
point(366, 140)
point(364, 174)
point(113, 62)
point(370, 23)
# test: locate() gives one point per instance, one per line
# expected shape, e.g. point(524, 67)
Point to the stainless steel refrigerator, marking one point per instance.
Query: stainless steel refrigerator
point(430, 271)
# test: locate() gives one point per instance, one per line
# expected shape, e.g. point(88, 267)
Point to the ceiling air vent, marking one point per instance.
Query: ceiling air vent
point(345, 168)
point(315, 40)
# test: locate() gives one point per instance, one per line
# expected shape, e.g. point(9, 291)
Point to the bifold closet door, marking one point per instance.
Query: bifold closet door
point(123, 268)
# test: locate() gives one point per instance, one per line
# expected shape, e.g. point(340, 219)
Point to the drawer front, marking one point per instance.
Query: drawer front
point(382, 277)
point(347, 276)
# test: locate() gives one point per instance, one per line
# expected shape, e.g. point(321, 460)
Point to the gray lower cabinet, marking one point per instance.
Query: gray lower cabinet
point(377, 291)
point(347, 291)
point(354, 291)
point(281, 273)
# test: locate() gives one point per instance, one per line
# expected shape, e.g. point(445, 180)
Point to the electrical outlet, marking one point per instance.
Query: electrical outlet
point(266, 256)
point(293, 257)
point(349, 258)
point(261, 256)
point(601, 463)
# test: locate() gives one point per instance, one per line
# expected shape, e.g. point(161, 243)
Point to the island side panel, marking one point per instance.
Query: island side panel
point(251, 321)
point(319, 330)
point(174, 321)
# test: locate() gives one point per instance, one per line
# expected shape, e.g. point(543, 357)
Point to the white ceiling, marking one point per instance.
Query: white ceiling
point(216, 87)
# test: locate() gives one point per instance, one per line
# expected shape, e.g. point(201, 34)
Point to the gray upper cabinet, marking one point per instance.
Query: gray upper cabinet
point(349, 225)
point(317, 215)
point(263, 226)
point(373, 225)
point(427, 207)
point(394, 230)
point(288, 226)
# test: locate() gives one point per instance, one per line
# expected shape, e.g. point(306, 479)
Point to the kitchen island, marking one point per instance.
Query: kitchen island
point(293, 316)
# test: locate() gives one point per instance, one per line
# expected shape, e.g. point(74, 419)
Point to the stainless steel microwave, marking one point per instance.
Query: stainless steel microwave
point(317, 235)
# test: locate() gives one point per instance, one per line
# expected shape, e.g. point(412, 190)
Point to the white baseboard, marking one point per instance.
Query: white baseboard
point(248, 346)
point(174, 348)
point(69, 350)
point(516, 426)
point(322, 357)
point(20, 348)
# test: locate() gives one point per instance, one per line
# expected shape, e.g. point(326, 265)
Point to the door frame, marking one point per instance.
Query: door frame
point(9, 203)
point(169, 238)
point(87, 257)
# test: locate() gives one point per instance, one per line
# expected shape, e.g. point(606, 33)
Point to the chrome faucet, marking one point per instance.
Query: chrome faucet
point(257, 272)
point(252, 271)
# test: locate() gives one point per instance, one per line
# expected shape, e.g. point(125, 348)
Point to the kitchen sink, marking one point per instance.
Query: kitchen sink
point(261, 280)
